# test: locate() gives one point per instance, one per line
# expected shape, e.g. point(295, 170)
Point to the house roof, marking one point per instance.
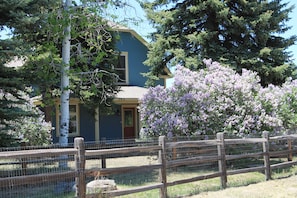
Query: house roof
point(130, 94)
point(127, 94)
point(122, 28)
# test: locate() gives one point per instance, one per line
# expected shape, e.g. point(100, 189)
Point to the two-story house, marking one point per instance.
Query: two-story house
point(124, 122)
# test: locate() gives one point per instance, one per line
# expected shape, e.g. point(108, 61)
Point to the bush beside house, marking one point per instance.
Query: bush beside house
point(217, 99)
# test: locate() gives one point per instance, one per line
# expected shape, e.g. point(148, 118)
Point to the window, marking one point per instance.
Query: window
point(122, 68)
point(73, 119)
point(128, 116)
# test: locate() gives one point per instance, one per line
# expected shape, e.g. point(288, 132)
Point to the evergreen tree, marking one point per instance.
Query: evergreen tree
point(37, 30)
point(242, 34)
point(10, 99)
point(20, 17)
point(90, 48)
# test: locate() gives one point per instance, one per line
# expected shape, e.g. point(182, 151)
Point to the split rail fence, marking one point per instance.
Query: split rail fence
point(219, 152)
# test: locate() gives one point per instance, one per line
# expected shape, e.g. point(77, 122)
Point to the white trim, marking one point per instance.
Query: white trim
point(125, 54)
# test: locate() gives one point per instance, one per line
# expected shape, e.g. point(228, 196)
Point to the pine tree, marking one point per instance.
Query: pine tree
point(241, 34)
point(19, 17)
point(9, 98)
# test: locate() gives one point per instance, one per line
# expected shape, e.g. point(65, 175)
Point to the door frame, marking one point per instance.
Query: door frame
point(135, 121)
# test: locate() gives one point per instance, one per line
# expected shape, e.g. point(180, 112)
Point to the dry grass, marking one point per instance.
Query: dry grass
point(279, 188)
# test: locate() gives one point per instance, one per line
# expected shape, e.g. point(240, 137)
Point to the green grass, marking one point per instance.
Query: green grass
point(197, 187)
point(284, 172)
point(129, 180)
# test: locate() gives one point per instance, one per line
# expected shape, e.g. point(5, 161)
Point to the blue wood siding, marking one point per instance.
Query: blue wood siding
point(87, 126)
point(110, 127)
point(137, 52)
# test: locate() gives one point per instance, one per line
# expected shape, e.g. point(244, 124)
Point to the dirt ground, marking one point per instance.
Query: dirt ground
point(280, 188)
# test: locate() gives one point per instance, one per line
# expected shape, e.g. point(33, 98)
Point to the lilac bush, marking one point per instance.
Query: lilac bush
point(281, 102)
point(217, 99)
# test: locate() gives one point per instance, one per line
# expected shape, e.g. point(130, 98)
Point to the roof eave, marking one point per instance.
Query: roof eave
point(126, 101)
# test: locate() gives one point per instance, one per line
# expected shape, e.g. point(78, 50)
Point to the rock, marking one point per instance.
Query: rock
point(101, 185)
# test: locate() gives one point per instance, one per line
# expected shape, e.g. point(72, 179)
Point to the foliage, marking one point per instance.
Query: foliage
point(281, 101)
point(217, 99)
point(93, 55)
point(30, 127)
point(33, 130)
point(242, 34)
point(21, 19)
point(36, 32)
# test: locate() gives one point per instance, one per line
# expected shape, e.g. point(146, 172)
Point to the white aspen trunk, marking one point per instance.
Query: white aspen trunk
point(65, 92)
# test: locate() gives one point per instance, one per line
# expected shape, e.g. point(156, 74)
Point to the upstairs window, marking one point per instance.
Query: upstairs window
point(122, 68)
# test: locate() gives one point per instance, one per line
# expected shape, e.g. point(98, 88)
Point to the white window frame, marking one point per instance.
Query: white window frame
point(72, 102)
point(125, 54)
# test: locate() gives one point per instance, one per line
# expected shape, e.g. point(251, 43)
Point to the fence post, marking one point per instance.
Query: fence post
point(290, 155)
point(80, 160)
point(162, 160)
point(222, 159)
point(266, 155)
point(103, 158)
point(174, 153)
point(24, 160)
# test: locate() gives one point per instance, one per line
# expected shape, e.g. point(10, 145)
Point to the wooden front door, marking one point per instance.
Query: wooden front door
point(129, 123)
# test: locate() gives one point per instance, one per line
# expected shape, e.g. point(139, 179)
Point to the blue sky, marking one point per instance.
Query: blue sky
point(293, 30)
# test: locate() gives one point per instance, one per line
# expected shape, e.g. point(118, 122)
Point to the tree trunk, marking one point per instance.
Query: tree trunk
point(65, 92)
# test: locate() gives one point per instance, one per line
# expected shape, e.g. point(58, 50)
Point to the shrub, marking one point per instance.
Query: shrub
point(217, 99)
point(31, 127)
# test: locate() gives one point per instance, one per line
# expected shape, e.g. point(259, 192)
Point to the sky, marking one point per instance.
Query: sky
point(144, 28)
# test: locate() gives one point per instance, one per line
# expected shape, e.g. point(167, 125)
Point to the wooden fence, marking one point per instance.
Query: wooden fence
point(221, 158)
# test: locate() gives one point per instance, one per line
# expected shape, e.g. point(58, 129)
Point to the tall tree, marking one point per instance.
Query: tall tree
point(39, 26)
point(19, 17)
point(242, 34)
point(76, 49)
point(65, 91)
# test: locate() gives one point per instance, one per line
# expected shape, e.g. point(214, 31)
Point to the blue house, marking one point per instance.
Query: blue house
point(124, 122)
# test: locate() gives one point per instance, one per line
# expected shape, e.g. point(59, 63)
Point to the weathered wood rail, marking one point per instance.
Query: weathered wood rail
point(202, 147)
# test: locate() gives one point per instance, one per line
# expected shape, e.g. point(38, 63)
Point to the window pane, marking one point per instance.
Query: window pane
point(122, 75)
point(72, 119)
point(73, 122)
point(121, 69)
point(122, 62)
point(72, 108)
point(128, 118)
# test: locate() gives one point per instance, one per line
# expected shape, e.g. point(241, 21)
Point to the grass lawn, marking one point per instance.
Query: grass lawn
point(244, 185)
point(199, 188)
point(279, 188)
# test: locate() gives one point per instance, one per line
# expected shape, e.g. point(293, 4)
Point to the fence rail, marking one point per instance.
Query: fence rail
point(171, 154)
